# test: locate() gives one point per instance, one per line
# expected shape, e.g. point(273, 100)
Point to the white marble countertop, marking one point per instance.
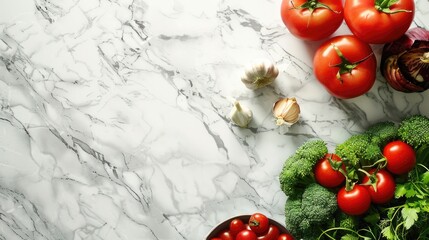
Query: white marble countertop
point(114, 115)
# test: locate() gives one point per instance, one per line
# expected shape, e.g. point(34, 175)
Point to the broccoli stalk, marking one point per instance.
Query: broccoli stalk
point(297, 171)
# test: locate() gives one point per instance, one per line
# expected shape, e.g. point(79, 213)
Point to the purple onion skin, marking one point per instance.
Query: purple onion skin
point(405, 62)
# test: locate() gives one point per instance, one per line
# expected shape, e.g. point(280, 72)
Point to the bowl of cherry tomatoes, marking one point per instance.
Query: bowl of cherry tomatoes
point(249, 227)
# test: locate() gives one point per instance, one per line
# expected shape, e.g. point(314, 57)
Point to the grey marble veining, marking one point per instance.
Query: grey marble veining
point(114, 121)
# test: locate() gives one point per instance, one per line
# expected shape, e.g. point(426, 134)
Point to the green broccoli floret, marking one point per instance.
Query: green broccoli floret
point(347, 221)
point(414, 131)
point(358, 149)
point(308, 214)
point(382, 133)
point(297, 171)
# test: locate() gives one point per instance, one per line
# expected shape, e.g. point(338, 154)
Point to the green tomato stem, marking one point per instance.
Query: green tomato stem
point(384, 6)
point(345, 66)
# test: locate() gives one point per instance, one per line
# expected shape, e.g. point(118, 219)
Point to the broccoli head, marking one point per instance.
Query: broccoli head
point(358, 149)
point(297, 171)
point(308, 214)
point(382, 133)
point(414, 131)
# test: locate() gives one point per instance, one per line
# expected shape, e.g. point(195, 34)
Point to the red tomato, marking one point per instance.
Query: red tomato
point(216, 239)
point(348, 76)
point(236, 226)
point(372, 22)
point(285, 236)
point(384, 186)
point(354, 202)
point(312, 19)
point(400, 156)
point(272, 234)
point(325, 174)
point(246, 235)
point(226, 235)
point(259, 223)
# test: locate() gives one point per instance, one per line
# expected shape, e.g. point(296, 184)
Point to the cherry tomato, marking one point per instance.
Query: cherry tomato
point(325, 173)
point(272, 234)
point(216, 238)
point(259, 223)
point(226, 235)
point(384, 183)
point(401, 157)
point(235, 226)
point(345, 66)
point(378, 21)
point(285, 236)
point(354, 202)
point(246, 235)
point(312, 19)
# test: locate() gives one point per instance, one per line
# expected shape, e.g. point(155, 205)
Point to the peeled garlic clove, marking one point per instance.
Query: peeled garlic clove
point(286, 111)
point(240, 115)
point(260, 74)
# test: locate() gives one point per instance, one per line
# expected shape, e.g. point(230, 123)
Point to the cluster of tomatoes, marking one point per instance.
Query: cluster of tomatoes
point(258, 227)
point(345, 65)
point(378, 184)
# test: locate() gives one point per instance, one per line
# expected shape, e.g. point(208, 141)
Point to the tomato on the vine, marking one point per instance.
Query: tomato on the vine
point(327, 171)
point(312, 19)
point(345, 66)
point(380, 185)
point(400, 157)
point(378, 21)
point(355, 201)
point(259, 223)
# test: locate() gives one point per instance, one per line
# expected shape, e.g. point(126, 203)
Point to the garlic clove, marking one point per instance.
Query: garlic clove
point(286, 111)
point(240, 115)
point(259, 75)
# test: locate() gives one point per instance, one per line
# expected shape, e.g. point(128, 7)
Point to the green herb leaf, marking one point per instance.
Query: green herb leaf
point(400, 191)
point(425, 177)
point(410, 216)
point(410, 193)
point(388, 233)
point(349, 237)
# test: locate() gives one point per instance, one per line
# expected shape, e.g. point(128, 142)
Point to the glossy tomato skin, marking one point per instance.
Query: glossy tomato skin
point(318, 25)
point(285, 236)
point(324, 173)
point(353, 84)
point(272, 234)
point(226, 235)
point(385, 186)
point(401, 157)
point(354, 202)
point(259, 223)
point(235, 226)
point(246, 235)
point(374, 26)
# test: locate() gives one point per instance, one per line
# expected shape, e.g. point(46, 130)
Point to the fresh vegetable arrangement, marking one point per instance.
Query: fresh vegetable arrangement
point(375, 185)
point(345, 65)
point(258, 227)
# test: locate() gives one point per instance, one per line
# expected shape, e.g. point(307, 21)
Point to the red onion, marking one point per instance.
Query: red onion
point(405, 62)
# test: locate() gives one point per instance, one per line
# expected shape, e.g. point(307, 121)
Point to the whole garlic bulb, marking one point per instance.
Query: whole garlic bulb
point(240, 115)
point(260, 74)
point(286, 111)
